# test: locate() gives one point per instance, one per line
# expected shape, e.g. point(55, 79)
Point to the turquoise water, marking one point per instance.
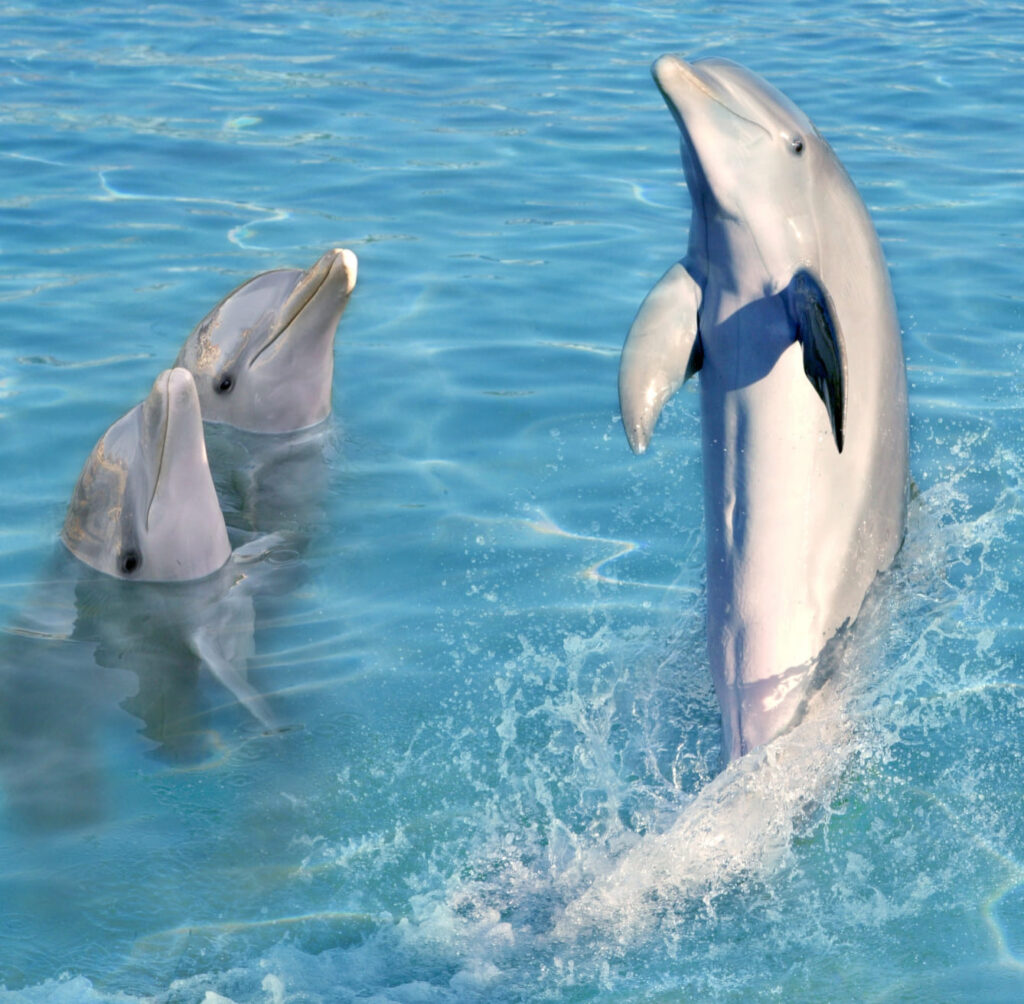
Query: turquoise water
point(495, 776)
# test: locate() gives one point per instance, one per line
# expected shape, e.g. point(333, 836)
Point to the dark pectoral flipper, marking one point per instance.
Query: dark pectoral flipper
point(818, 331)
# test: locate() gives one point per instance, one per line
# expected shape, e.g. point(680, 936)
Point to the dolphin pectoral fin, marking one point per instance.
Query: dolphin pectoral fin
point(818, 331)
point(661, 352)
point(231, 676)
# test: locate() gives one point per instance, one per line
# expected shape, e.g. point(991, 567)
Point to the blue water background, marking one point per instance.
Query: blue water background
point(492, 656)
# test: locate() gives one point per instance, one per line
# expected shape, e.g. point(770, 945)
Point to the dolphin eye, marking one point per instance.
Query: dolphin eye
point(224, 383)
point(129, 562)
point(796, 144)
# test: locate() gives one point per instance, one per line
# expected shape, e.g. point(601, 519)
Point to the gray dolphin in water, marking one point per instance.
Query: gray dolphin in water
point(263, 358)
point(147, 584)
point(145, 509)
point(783, 305)
point(144, 506)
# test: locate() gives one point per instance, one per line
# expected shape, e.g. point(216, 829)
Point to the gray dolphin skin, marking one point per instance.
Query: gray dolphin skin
point(144, 506)
point(263, 358)
point(783, 305)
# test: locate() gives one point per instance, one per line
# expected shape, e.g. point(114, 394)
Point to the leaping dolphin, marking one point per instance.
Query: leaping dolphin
point(263, 358)
point(783, 305)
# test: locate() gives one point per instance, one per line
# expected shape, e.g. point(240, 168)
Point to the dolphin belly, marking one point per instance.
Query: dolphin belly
point(773, 542)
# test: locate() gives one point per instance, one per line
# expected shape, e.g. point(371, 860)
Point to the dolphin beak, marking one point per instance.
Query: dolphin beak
point(334, 274)
point(320, 294)
point(187, 535)
point(680, 84)
point(672, 73)
point(146, 492)
point(173, 435)
point(696, 97)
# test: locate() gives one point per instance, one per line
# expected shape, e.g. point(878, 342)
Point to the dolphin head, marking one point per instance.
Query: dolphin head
point(263, 358)
point(749, 153)
point(145, 507)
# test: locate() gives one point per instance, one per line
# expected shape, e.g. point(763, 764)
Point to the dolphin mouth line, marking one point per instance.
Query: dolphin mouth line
point(163, 448)
point(293, 314)
point(739, 115)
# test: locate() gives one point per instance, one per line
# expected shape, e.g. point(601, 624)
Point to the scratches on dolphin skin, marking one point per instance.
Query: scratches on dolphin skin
point(237, 234)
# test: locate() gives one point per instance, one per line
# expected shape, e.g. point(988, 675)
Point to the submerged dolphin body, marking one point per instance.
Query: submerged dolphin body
point(95, 669)
point(783, 305)
point(263, 358)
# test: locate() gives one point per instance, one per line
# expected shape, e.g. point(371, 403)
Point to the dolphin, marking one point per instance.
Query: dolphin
point(784, 307)
point(145, 507)
point(263, 358)
point(144, 592)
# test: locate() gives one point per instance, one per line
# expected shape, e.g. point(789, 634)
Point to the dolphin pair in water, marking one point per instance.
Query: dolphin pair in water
point(783, 306)
point(145, 507)
point(157, 591)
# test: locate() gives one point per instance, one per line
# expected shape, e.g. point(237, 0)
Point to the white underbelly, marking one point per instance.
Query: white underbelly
point(777, 536)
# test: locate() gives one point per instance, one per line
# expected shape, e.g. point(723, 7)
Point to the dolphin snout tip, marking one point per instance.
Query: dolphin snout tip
point(182, 395)
point(678, 80)
point(350, 263)
point(179, 380)
point(175, 383)
point(665, 65)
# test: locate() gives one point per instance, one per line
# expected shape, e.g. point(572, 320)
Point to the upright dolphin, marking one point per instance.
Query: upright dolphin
point(263, 358)
point(144, 506)
point(783, 304)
